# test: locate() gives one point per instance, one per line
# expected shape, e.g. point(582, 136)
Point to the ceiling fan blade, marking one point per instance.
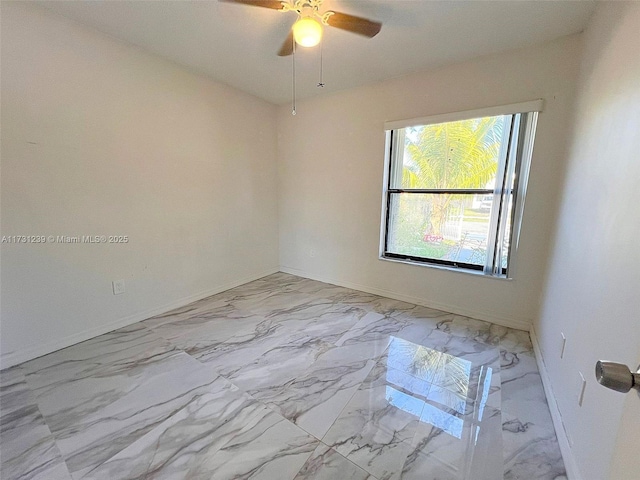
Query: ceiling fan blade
point(287, 46)
point(354, 24)
point(274, 4)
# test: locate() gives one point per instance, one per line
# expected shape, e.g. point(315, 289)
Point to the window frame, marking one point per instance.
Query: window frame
point(514, 165)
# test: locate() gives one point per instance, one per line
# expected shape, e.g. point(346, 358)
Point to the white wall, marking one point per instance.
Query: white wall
point(593, 288)
point(331, 158)
point(100, 138)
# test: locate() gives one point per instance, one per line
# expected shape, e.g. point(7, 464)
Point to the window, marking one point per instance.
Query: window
point(454, 188)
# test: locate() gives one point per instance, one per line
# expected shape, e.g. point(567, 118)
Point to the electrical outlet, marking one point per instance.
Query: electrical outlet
point(564, 345)
point(118, 287)
point(312, 252)
point(583, 387)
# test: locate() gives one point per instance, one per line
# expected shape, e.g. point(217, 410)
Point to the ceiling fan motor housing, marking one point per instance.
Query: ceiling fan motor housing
point(309, 10)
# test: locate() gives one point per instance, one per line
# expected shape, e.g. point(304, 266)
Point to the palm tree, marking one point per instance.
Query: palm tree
point(453, 155)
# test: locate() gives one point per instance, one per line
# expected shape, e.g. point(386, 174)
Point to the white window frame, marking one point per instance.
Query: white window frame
point(526, 115)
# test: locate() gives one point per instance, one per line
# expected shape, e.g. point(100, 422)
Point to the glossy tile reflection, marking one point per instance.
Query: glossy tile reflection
point(284, 378)
point(415, 404)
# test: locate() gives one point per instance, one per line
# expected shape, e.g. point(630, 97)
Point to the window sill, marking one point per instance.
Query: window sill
point(476, 273)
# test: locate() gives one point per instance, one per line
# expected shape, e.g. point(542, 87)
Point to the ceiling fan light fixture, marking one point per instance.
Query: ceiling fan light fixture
point(307, 32)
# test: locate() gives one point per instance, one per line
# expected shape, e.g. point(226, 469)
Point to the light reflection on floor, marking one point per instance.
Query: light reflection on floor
point(437, 387)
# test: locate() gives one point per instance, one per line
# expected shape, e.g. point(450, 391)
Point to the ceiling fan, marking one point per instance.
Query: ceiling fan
point(307, 31)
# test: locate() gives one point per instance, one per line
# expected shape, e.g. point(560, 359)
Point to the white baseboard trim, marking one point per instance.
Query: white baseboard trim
point(505, 322)
point(14, 358)
point(570, 464)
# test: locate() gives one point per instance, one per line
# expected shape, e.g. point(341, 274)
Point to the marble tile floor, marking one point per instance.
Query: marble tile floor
point(284, 378)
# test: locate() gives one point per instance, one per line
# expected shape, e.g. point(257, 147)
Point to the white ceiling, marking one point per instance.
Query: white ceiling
point(237, 45)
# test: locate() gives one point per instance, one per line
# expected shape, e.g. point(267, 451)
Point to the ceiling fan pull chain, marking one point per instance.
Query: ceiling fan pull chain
point(293, 112)
point(321, 82)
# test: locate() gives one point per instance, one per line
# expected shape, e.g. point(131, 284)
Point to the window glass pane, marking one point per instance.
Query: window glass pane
point(471, 168)
point(461, 154)
point(440, 226)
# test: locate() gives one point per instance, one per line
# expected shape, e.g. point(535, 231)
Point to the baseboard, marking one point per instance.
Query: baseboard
point(505, 322)
point(563, 440)
point(14, 358)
